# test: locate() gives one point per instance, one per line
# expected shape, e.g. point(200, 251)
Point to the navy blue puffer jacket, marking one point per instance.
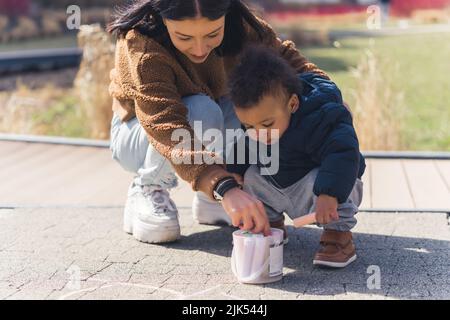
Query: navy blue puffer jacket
point(320, 134)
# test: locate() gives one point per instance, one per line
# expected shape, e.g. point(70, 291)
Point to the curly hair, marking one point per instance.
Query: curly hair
point(260, 72)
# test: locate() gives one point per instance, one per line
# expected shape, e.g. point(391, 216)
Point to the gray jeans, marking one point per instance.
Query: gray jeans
point(298, 199)
point(130, 146)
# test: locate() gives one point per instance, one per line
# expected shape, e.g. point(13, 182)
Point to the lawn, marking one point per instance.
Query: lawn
point(419, 66)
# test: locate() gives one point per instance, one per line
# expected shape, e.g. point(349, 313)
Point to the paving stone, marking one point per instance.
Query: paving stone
point(41, 248)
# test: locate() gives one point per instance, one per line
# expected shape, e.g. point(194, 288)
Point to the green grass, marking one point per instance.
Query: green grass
point(62, 118)
point(423, 75)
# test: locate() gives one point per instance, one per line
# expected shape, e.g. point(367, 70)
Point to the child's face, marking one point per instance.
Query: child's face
point(273, 112)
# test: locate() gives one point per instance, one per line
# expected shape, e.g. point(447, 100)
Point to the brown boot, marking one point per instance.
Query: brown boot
point(337, 250)
point(279, 224)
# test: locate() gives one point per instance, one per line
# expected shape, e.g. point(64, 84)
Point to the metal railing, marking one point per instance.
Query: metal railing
point(39, 60)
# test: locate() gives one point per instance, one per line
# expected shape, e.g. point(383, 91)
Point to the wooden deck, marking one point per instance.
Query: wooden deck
point(38, 174)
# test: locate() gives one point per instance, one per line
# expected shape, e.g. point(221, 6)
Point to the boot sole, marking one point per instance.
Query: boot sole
point(150, 233)
point(334, 264)
point(208, 207)
point(127, 222)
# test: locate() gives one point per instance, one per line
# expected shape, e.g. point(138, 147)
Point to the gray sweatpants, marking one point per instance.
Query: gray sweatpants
point(298, 199)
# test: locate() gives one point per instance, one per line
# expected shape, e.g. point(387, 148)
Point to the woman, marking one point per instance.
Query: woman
point(172, 62)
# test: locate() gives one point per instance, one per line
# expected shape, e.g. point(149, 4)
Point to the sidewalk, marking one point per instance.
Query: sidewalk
point(41, 251)
point(62, 221)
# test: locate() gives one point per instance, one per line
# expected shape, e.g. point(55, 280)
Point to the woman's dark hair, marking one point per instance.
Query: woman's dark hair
point(146, 16)
point(260, 72)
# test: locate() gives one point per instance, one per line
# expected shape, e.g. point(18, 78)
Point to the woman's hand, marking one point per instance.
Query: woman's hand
point(246, 212)
point(326, 209)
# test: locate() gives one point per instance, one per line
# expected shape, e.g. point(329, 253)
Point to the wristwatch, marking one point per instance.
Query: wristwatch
point(224, 185)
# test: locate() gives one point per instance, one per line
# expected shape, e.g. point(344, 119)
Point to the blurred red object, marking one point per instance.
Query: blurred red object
point(406, 7)
point(15, 7)
point(316, 10)
point(397, 8)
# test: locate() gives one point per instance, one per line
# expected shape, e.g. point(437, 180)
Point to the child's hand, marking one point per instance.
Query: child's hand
point(326, 209)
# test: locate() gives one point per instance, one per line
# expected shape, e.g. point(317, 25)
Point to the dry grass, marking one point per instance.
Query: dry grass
point(96, 15)
point(322, 22)
point(428, 16)
point(304, 38)
point(25, 28)
point(92, 81)
point(3, 22)
point(52, 23)
point(378, 108)
point(45, 111)
point(81, 111)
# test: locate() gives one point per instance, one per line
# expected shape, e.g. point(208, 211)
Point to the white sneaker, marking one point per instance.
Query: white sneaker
point(150, 215)
point(206, 211)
